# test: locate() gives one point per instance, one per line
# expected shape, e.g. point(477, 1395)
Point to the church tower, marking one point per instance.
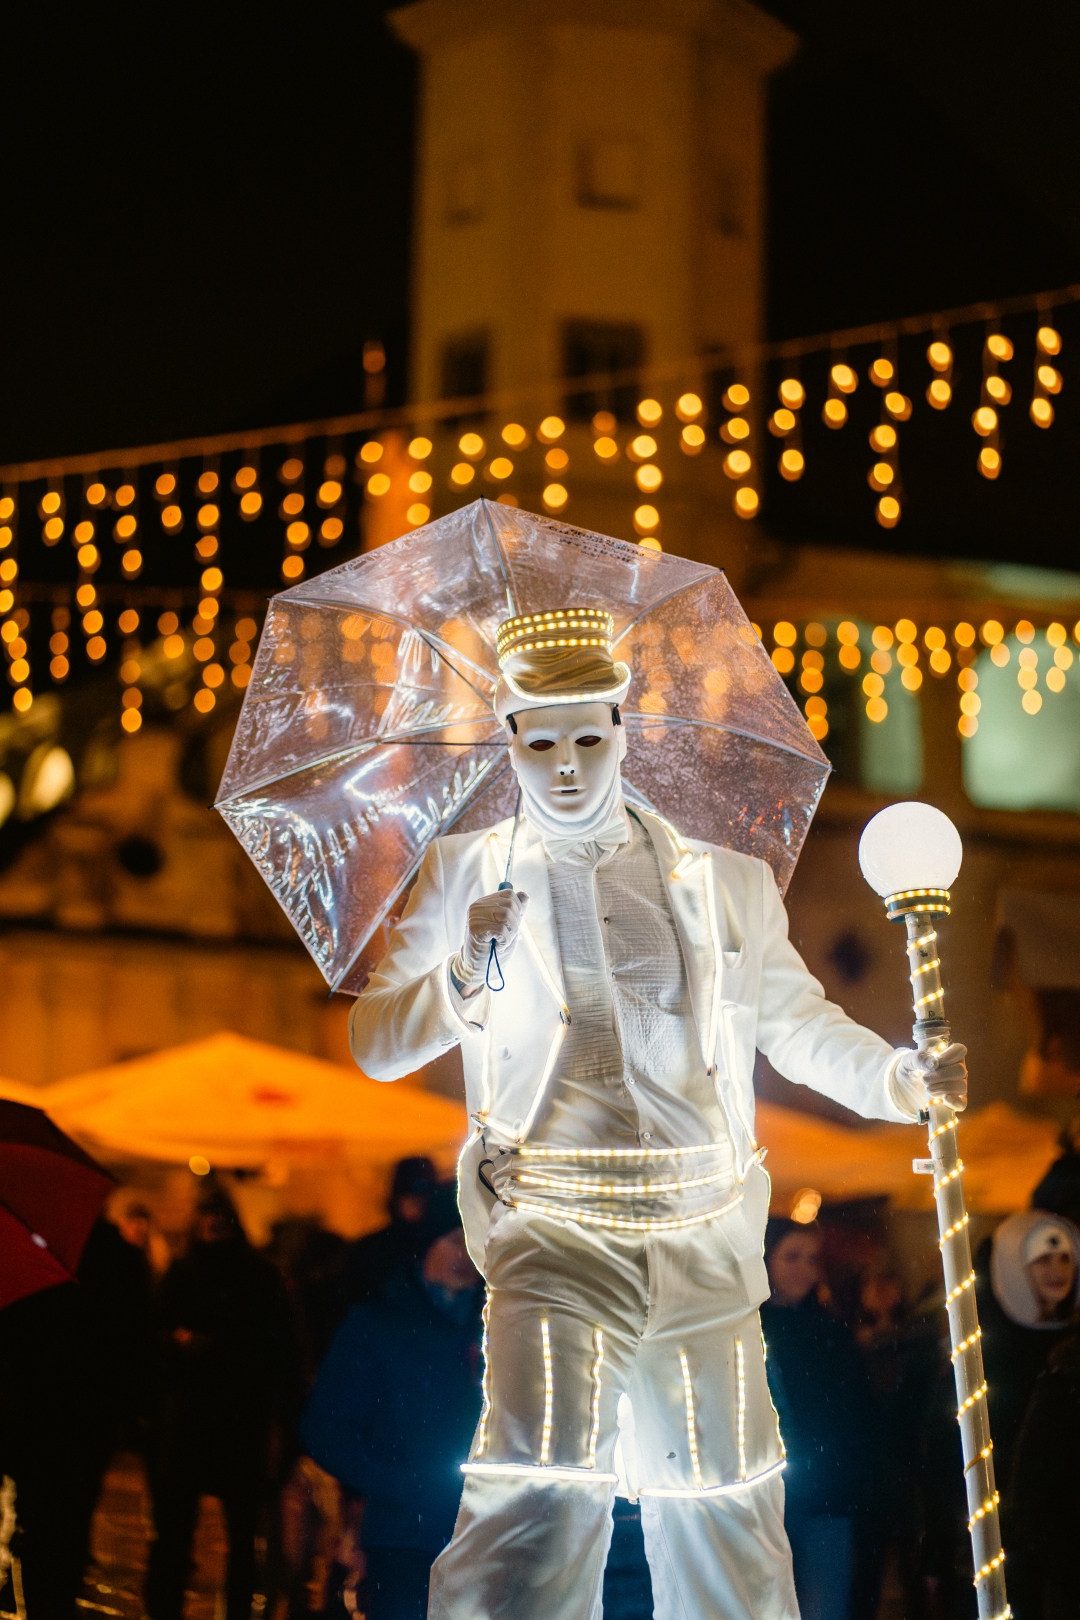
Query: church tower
point(590, 198)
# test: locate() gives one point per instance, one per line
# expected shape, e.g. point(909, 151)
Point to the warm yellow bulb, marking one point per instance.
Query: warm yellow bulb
point(471, 445)
point(785, 633)
point(1048, 340)
point(1041, 412)
point(939, 355)
point(882, 371)
point(250, 504)
point(420, 448)
point(419, 482)
point(379, 484)
point(501, 467)
point(418, 513)
point(552, 427)
point(460, 475)
point(844, 378)
point(649, 477)
point(999, 390)
point(649, 412)
point(370, 452)
point(246, 477)
point(999, 346)
point(939, 393)
point(782, 421)
point(605, 448)
point(747, 502)
point(737, 463)
point(883, 437)
point(792, 464)
point(989, 461)
point(1050, 379)
point(514, 435)
point(898, 406)
point(555, 496)
point(888, 511)
point(687, 407)
point(984, 420)
point(792, 393)
point(646, 518)
point(692, 438)
point(737, 397)
point(834, 413)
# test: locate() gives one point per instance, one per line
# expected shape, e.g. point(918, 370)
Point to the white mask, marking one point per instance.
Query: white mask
point(567, 759)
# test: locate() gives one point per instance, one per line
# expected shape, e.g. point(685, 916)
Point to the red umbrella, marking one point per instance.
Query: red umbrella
point(51, 1193)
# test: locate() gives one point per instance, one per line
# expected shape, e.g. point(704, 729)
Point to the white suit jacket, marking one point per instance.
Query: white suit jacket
point(749, 988)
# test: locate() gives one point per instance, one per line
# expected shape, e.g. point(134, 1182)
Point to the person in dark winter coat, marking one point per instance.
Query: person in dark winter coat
point(1045, 1491)
point(1028, 1288)
point(820, 1389)
point(228, 1381)
point(372, 1259)
point(73, 1378)
point(394, 1408)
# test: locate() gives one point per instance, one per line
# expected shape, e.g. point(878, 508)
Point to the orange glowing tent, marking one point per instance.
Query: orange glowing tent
point(1006, 1155)
point(317, 1137)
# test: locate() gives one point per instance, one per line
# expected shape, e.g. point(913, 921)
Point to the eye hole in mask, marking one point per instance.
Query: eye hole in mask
point(541, 745)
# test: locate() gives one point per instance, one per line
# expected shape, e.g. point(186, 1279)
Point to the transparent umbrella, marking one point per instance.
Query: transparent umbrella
point(367, 728)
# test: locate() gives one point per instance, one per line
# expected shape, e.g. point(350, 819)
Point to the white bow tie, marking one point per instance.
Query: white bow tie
point(608, 838)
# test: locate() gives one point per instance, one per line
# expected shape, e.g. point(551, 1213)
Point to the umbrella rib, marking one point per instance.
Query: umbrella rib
point(388, 613)
point(653, 606)
point(413, 740)
point(503, 562)
point(481, 780)
point(715, 725)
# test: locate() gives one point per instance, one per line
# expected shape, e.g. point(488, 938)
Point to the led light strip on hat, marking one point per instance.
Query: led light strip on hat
point(562, 627)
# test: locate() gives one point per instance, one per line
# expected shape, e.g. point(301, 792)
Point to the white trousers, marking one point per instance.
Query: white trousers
point(608, 1353)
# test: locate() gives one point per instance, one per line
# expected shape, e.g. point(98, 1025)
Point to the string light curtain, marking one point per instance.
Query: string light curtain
point(108, 554)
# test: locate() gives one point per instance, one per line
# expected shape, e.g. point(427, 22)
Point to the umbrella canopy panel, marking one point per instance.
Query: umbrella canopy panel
point(367, 729)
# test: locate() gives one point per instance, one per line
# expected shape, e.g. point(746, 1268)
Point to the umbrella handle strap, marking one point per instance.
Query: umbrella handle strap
point(493, 962)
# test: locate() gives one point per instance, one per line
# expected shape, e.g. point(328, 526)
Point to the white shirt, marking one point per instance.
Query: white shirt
point(630, 1070)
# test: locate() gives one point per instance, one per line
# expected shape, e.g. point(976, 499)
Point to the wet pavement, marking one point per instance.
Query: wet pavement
point(120, 1550)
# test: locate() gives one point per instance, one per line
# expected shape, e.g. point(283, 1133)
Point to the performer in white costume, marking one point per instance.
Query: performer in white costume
point(613, 1191)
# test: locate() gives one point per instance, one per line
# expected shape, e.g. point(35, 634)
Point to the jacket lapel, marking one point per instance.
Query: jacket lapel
point(688, 877)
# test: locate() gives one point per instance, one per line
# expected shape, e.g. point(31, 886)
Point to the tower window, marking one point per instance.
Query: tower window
point(465, 366)
point(602, 349)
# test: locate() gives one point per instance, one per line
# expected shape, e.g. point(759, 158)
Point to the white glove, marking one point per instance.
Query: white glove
point(942, 1075)
point(494, 917)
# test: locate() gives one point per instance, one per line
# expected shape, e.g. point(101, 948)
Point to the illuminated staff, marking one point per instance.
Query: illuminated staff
point(738, 463)
point(291, 512)
point(842, 380)
point(996, 393)
point(1047, 376)
point(786, 423)
point(910, 854)
point(884, 475)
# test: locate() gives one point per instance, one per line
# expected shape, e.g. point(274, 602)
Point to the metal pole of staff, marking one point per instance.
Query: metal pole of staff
point(902, 842)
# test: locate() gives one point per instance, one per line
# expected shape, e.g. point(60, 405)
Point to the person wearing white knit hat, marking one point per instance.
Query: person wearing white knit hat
point(608, 1003)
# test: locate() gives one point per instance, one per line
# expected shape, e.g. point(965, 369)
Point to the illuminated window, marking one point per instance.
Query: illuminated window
point(873, 730)
point(1025, 754)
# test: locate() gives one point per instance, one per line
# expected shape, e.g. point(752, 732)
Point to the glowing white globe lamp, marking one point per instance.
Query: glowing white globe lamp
point(910, 846)
point(910, 854)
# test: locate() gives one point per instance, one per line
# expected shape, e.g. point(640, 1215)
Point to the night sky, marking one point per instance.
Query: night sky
point(202, 224)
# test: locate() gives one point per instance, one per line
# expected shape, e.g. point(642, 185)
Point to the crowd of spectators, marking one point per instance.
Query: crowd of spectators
point(326, 1392)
